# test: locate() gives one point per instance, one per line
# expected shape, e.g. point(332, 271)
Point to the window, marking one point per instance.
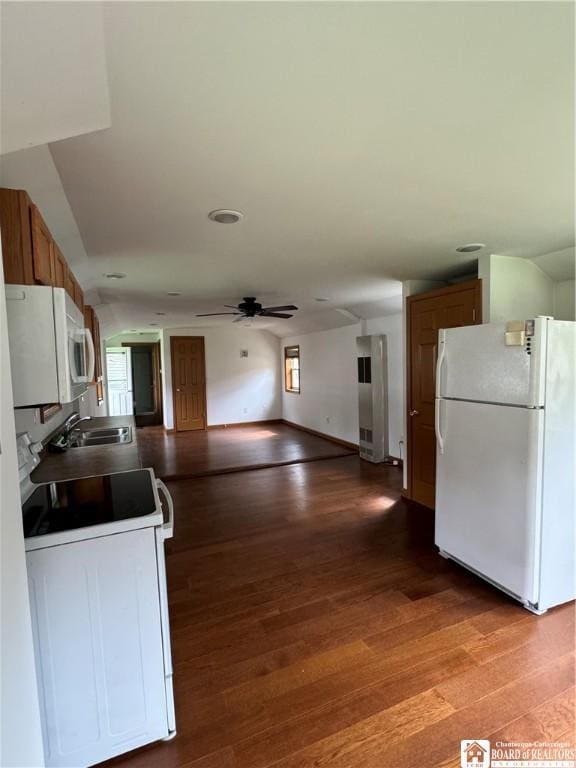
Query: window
point(292, 369)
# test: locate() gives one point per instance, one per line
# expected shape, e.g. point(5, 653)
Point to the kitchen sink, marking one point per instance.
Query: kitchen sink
point(110, 436)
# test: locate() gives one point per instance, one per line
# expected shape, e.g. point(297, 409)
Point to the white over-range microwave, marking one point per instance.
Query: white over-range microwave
point(51, 352)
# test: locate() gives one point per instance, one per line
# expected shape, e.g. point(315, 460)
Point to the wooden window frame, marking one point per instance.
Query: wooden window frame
point(288, 371)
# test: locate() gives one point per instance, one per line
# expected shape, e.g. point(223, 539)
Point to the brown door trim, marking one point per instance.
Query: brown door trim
point(174, 339)
point(410, 300)
point(156, 372)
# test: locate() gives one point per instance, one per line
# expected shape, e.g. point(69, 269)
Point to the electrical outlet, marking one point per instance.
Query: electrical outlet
point(244, 410)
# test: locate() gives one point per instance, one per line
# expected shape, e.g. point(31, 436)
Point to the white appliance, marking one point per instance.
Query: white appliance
point(372, 397)
point(51, 352)
point(506, 429)
point(97, 581)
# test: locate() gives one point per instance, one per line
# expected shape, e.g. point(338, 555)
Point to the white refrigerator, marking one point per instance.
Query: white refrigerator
point(505, 432)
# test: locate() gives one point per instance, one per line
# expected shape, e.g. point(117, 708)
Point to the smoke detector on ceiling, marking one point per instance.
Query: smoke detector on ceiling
point(225, 216)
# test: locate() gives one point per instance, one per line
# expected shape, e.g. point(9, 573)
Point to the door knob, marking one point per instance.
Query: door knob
point(414, 413)
point(177, 390)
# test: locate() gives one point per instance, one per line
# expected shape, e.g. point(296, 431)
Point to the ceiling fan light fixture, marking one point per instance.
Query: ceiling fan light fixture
point(470, 247)
point(225, 216)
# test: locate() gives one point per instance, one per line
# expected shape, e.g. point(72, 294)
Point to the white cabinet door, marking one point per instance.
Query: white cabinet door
point(488, 491)
point(98, 643)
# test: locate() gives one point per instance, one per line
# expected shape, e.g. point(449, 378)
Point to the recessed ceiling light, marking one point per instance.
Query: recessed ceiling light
point(320, 299)
point(114, 275)
point(174, 293)
point(470, 248)
point(225, 216)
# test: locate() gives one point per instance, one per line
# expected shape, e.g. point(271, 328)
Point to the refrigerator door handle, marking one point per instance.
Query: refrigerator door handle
point(440, 362)
point(439, 436)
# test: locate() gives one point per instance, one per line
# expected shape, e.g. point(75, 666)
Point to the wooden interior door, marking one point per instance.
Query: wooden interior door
point(426, 313)
point(188, 382)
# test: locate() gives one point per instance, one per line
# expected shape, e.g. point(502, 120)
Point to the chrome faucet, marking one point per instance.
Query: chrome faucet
point(72, 421)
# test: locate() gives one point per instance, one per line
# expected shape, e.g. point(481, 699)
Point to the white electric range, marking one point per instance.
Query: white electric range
point(97, 580)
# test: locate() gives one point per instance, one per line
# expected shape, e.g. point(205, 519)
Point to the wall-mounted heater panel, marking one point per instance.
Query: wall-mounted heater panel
point(372, 397)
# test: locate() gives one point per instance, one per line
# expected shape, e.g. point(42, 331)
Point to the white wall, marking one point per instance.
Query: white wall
point(20, 730)
point(44, 98)
point(514, 289)
point(564, 304)
point(28, 420)
point(237, 388)
point(328, 400)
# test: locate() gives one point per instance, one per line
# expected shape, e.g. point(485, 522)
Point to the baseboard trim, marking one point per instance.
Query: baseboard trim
point(244, 424)
point(316, 433)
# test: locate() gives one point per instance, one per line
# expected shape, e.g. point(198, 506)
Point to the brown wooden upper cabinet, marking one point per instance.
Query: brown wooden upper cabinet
point(60, 268)
point(42, 249)
point(16, 237)
point(30, 254)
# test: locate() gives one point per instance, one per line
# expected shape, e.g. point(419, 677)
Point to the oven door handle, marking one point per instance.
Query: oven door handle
point(168, 527)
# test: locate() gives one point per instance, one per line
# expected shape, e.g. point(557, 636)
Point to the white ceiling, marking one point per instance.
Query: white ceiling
point(363, 142)
point(53, 74)
point(560, 265)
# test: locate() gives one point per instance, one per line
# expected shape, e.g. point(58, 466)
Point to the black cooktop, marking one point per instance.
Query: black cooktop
point(70, 504)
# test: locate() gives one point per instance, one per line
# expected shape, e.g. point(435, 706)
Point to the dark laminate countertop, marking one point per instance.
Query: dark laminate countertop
point(91, 460)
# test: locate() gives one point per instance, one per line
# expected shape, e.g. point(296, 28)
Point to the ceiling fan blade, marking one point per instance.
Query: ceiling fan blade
point(230, 306)
point(214, 314)
point(274, 314)
point(285, 308)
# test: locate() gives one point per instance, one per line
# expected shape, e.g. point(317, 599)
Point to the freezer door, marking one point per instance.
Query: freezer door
point(488, 491)
point(474, 363)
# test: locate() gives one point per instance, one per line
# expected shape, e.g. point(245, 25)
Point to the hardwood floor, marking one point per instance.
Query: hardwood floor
point(198, 453)
point(313, 624)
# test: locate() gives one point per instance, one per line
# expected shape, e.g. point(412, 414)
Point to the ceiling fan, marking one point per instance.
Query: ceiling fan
point(249, 307)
